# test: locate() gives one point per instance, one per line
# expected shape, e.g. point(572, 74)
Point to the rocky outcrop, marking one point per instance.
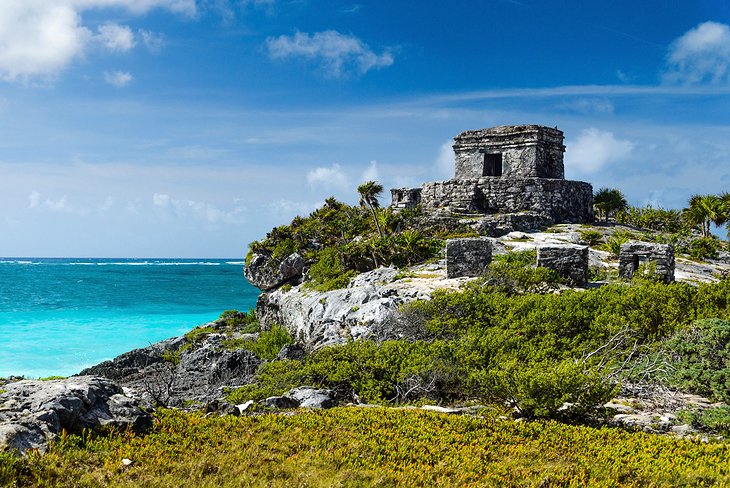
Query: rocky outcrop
point(303, 397)
point(176, 373)
point(32, 412)
point(364, 309)
point(266, 273)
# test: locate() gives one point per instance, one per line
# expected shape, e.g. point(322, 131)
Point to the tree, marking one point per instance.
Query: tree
point(704, 210)
point(369, 193)
point(609, 201)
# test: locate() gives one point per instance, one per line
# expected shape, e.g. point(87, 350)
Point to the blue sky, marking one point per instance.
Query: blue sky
point(189, 128)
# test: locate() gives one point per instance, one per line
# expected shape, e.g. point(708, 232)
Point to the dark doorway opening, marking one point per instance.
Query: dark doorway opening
point(492, 165)
point(635, 260)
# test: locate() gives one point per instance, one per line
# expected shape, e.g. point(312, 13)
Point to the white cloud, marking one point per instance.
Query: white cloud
point(119, 79)
point(59, 205)
point(331, 178)
point(201, 211)
point(594, 148)
point(589, 106)
point(339, 54)
point(443, 166)
point(116, 37)
point(701, 55)
point(40, 37)
point(371, 172)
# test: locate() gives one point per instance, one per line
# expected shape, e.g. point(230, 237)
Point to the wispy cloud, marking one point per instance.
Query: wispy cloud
point(701, 55)
point(332, 178)
point(186, 209)
point(35, 201)
point(443, 166)
point(338, 55)
point(116, 37)
point(119, 79)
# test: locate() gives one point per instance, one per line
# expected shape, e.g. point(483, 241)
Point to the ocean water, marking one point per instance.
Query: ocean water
point(58, 316)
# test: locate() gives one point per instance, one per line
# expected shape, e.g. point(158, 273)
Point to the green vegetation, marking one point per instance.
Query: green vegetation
point(592, 237)
point(701, 358)
point(715, 419)
point(609, 201)
point(338, 241)
point(54, 377)
point(505, 340)
point(241, 322)
point(369, 447)
point(656, 219)
point(268, 344)
point(172, 357)
point(195, 337)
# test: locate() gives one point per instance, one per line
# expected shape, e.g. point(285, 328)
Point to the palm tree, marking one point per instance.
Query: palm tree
point(704, 210)
point(609, 201)
point(369, 193)
point(725, 207)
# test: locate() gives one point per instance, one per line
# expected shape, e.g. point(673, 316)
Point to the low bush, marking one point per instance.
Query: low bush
point(241, 322)
point(266, 346)
point(701, 358)
point(704, 248)
point(591, 237)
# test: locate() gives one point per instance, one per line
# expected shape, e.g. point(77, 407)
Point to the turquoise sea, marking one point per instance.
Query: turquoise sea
point(58, 316)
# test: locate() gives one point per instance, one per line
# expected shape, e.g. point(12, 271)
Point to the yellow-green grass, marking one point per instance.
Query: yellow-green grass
point(370, 447)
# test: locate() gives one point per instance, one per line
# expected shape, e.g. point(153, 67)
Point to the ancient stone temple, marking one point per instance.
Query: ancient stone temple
point(512, 175)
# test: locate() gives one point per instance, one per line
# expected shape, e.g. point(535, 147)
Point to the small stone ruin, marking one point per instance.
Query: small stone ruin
point(635, 253)
point(512, 177)
point(568, 260)
point(467, 257)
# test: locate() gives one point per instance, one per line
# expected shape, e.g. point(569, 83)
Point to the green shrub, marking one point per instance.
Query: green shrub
point(268, 344)
point(172, 357)
point(715, 419)
point(196, 336)
point(513, 274)
point(701, 358)
point(547, 389)
point(240, 322)
point(613, 243)
point(659, 219)
point(592, 237)
point(704, 248)
point(328, 273)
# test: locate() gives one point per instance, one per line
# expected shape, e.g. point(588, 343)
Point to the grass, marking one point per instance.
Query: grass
point(370, 447)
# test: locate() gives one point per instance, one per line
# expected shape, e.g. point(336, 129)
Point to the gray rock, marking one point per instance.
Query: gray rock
point(308, 397)
point(32, 412)
point(467, 257)
point(266, 273)
point(293, 352)
point(165, 373)
point(569, 261)
point(282, 402)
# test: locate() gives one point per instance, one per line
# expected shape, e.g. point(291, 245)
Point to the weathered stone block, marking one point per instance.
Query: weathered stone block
point(467, 257)
point(635, 253)
point(569, 261)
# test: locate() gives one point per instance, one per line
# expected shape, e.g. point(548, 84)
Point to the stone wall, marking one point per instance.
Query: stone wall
point(635, 253)
point(527, 151)
point(562, 201)
point(404, 198)
point(467, 257)
point(569, 261)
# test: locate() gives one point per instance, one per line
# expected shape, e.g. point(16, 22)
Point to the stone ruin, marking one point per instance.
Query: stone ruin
point(511, 176)
point(470, 257)
point(635, 253)
point(568, 260)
